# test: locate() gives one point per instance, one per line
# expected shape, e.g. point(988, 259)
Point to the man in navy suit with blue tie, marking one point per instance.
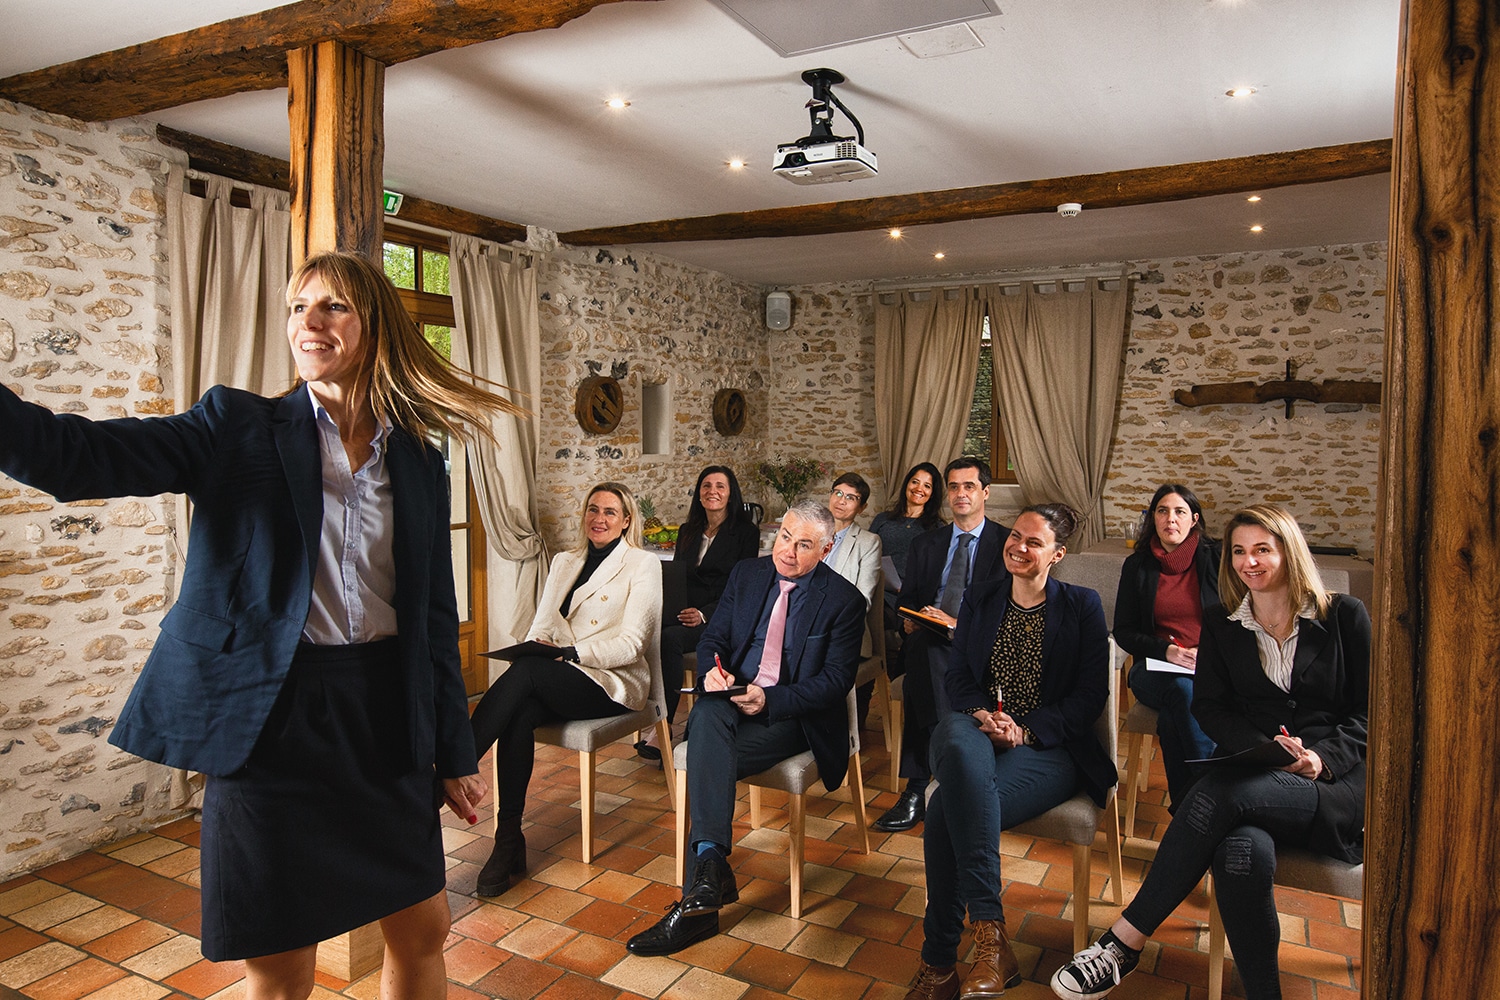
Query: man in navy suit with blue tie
point(788, 630)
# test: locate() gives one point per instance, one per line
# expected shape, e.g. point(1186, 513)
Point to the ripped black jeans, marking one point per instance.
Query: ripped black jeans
point(1231, 820)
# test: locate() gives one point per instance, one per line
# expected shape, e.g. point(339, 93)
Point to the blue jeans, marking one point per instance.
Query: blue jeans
point(1231, 820)
point(987, 790)
point(1182, 739)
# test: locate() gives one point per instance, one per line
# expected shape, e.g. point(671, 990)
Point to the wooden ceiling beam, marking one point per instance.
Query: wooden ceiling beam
point(213, 157)
point(249, 53)
point(1116, 189)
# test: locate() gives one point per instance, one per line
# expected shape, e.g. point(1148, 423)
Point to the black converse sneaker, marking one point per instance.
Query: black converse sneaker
point(1095, 970)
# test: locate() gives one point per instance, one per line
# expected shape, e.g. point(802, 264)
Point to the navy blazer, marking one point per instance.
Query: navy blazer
point(1328, 708)
point(252, 468)
point(818, 669)
point(1135, 601)
point(920, 586)
point(1075, 671)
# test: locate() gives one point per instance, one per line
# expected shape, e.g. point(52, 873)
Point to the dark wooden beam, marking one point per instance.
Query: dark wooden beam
point(1432, 840)
point(249, 53)
point(1119, 188)
point(214, 157)
point(336, 109)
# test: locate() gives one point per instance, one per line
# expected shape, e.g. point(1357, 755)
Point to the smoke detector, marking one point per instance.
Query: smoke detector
point(1069, 209)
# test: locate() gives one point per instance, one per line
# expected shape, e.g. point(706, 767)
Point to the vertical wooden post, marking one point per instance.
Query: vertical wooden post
point(1432, 897)
point(336, 108)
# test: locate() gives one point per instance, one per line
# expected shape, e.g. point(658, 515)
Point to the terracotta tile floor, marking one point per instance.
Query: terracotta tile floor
point(120, 923)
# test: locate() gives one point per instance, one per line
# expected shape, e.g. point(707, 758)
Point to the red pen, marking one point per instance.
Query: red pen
point(1284, 732)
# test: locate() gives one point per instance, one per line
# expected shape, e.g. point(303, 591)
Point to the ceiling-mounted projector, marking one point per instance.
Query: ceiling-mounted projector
point(821, 157)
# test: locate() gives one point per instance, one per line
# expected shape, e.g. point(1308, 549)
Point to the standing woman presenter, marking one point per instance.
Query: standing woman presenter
point(310, 665)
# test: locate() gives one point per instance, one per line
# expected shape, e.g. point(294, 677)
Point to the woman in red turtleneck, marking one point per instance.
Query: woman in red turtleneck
point(1164, 587)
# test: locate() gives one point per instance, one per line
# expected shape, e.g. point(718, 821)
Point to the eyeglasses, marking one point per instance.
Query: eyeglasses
point(841, 495)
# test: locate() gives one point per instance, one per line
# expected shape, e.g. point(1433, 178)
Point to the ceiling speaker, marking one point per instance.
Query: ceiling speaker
point(778, 310)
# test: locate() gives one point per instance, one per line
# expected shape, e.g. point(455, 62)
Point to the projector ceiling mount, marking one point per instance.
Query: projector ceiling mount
point(820, 108)
point(820, 156)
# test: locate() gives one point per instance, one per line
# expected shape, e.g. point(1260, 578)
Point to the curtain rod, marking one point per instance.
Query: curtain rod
point(1082, 272)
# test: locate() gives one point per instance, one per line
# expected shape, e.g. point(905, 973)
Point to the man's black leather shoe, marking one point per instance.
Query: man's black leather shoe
point(908, 811)
point(713, 885)
point(673, 933)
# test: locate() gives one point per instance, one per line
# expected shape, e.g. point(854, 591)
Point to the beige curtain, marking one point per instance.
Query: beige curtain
point(926, 360)
point(228, 270)
point(498, 338)
point(1057, 371)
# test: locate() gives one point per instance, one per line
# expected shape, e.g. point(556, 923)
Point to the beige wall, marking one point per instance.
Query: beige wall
point(1240, 317)
point(83, 312)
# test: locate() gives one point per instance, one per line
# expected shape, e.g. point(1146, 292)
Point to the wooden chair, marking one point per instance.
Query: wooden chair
point(1076, 821)
point(588, 735)
point(796, 776)
point(1295, 869)
point(1139, 728)
point(872, 667)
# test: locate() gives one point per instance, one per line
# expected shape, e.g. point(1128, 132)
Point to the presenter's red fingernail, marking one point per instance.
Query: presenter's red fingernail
point(473, 819)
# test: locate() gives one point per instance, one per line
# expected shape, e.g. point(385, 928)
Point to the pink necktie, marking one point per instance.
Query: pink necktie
point(770, 656)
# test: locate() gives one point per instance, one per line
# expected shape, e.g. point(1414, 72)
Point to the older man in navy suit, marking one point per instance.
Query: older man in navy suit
point(788, 631)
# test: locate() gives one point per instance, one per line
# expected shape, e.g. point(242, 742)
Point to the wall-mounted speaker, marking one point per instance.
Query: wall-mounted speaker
point(778, 310)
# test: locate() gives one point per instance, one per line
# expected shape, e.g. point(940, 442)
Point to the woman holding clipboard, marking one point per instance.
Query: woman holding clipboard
point(591, 658)
point(1282, 661)
point(1165, 585)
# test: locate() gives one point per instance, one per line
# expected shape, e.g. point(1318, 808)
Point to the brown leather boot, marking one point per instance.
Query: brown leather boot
point(995, 966)
point(933, 983)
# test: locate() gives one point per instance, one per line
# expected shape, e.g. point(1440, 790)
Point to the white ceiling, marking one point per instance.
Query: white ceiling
point(517, 128)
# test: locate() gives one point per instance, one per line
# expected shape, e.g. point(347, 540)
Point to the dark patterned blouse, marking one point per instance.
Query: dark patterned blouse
point(1015, 674)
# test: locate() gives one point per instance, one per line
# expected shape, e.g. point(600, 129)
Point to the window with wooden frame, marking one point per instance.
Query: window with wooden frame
point(985, 435)
point(417, 264)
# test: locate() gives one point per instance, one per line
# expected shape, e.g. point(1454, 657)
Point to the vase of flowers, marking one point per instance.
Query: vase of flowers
point(789, 478)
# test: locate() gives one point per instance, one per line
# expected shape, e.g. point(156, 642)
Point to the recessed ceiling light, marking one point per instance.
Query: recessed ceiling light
point(617, 103)
point(894, 233)
point(1255, 229)
point(1240, 91)
point(736, 164)
point(939, 255)
point(1253, 198)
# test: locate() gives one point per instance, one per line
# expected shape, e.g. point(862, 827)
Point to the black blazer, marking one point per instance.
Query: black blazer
point(1328, 708)
point(1135, 601)
point(818, 670)
point(705, 581)
point(1075, 671)
point(253, 470)
point(929, 552)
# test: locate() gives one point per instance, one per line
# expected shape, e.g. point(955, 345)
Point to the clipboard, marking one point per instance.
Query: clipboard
point(528, 648)
point(1268, 754)
point(927, 622)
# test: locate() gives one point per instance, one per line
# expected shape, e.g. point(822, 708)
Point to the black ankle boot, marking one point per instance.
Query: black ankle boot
point(507, 859)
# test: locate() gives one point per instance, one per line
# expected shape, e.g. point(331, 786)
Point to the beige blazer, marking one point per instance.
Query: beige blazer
point(614, 620)
point(858, 561)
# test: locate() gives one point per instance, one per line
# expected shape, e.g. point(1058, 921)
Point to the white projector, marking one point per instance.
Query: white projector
point(842, 160)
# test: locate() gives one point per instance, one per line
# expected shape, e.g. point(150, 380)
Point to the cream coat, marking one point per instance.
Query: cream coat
point(858, 561)
point(613, 622)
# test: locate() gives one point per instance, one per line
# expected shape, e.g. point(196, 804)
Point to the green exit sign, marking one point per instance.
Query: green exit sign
point(392, 202)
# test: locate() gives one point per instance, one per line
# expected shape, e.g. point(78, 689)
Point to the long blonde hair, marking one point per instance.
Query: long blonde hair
point(411, 384)
point(1302, 577)
point(632, 533)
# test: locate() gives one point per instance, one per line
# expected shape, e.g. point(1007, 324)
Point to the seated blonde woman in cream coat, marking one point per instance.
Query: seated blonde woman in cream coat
point(600, 608)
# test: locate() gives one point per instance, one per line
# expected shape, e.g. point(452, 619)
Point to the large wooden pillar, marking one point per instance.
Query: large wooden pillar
point(336, 108)
point(1432, 885)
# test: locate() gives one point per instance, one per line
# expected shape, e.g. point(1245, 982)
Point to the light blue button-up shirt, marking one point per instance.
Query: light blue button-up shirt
point(354, 583)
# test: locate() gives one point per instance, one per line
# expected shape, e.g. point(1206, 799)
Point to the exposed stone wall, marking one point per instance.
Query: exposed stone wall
point(823, 385)
point(644, 319)
point(1241, 317)
point(83, 585)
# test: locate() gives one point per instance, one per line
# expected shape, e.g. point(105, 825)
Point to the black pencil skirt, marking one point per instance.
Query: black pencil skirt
point(325, 828)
